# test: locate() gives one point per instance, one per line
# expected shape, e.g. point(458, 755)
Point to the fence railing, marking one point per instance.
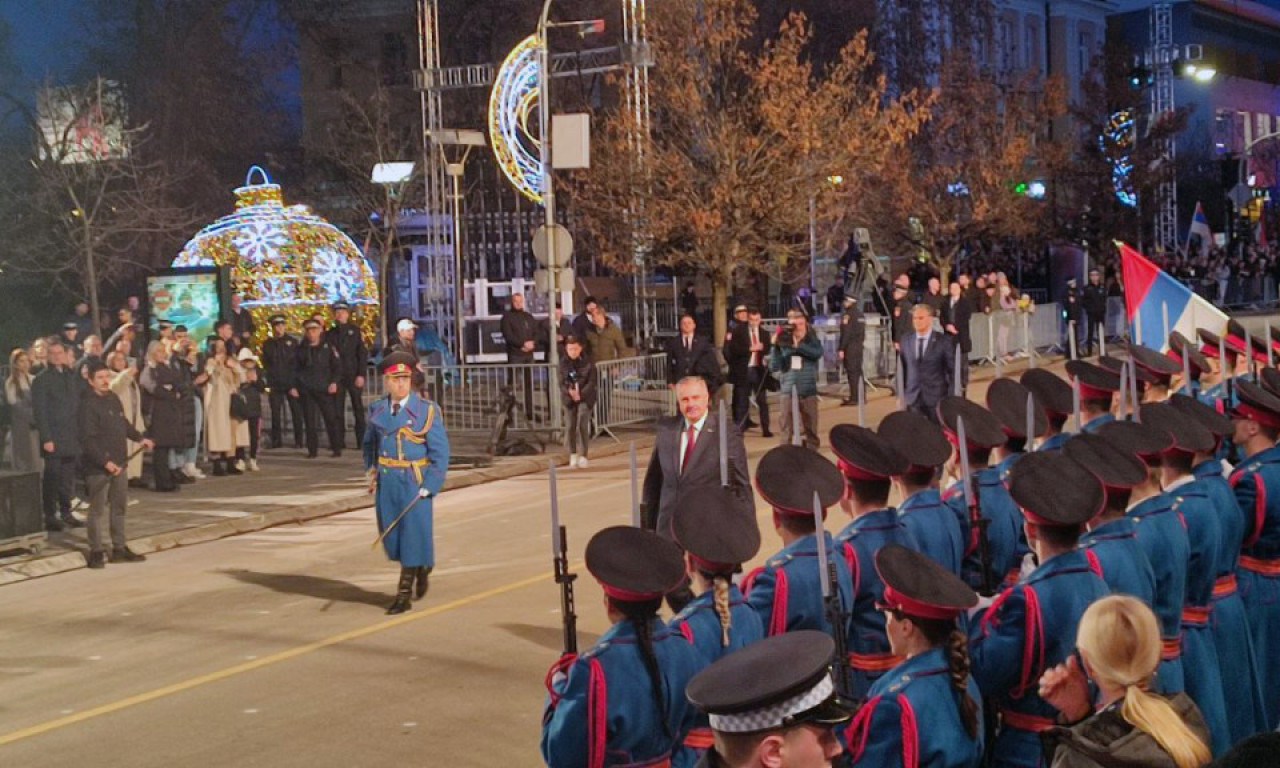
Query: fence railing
point(631, 390)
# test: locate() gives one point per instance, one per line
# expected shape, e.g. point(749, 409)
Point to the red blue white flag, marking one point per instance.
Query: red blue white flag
point(1151, 295)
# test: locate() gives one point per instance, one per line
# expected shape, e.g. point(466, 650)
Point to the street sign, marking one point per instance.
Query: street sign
point(542, 280)
point(564, 247)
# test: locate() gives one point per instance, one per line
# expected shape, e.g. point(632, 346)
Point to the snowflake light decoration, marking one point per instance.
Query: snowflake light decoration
point(260, 241)
point(335, 273)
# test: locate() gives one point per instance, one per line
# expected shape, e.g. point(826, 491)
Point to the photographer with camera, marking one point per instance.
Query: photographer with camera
point(578, 378)
point(794, 359)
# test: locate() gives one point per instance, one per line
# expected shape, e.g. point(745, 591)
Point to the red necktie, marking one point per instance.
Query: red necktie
point(688, 448)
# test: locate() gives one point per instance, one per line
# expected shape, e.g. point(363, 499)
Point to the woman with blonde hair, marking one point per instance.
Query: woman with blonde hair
point(1119, 646)
point(17, 392)
point(223, 432)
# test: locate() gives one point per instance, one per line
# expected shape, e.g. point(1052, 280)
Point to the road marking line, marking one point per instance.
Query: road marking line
point(249, 666)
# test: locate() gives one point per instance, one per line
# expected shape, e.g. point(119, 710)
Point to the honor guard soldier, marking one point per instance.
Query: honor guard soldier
point(1162, 536)
point(786, 591)
point(1097, 386)
point(995, 557)
point(621, 703)
point(1031, 626)
point(1010, 402)
point(1055, 397)
point(406, 455)
point(1111, 541)
point(1215, 347)
point(353, 362)
point(927, 711)
point(773, 704)
point(1257, 485)
point(1200, 518)
point(1160, 370)
point(868, 463)
point(922, 511)
point(1230, 624)
point(1118, 367)
point(280, 362)
point(710, 528)
point(1196, 363)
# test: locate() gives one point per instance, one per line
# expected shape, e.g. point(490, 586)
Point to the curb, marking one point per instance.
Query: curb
point(295, 514)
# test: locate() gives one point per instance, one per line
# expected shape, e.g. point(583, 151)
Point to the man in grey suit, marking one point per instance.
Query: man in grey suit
point(927, 359)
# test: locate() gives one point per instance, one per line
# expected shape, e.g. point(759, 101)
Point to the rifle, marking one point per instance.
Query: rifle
point(975, 511)
point(560, 564)
point(831, 601)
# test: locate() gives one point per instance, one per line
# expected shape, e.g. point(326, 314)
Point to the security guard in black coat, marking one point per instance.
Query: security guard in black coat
point(853, 337)
point(1094, 302)
point(280, 362)
point(353, 357)
point(318, 374)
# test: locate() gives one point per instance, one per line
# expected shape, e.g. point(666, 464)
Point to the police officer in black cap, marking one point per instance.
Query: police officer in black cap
point(773, 704)
point(353, 362)
point(317, 385)
point(280, 362)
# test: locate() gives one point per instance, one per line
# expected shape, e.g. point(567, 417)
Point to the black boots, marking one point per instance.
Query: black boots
point(126, 555)
point(219, 468)
point(96, 559)
point(421, 587)
point(403, 600)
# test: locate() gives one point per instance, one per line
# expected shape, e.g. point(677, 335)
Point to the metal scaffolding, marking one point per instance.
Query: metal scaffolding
point(1163, 54)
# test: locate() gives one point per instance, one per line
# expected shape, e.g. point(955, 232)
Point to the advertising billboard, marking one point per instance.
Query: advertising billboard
point(190, 297)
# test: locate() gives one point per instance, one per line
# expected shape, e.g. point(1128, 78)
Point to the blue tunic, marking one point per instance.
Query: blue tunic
point(1164, 539)
point(1257, 487)
point(1113, 547)
point(787, 592)
point(1004, 531)
point(409, 451)
point(1096, 424)
point(1055, 442)
point(1231, 636)
point(869, 655)
point(1200, 668)
point(912, 718)
point(935, 528)
point(700, 625)
point(1031, 627)
point(603, 713)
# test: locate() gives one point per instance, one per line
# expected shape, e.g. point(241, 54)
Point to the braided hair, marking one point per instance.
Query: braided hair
point(720, 583)
point(943, 633)
point(641, 614)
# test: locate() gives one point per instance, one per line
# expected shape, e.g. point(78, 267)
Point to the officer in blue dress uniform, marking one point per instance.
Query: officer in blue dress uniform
point(1007, 401)
point(773, 703)
point(1230, 624)
point(1111, 541)
point(787, 590)
point(406, 456)
point(1117, 366)
point(1159, 370)
point(927, 711)
point(1031, 626)
point(1162, 535)
point(1097, 387)
point(716, 539)
point(1196, 365)
point(1005, 547)
point(1196, 510)
point(1054, 395)
point(1256, 482)
point(621, 702)
point(1212, 347)
point(930, 521)
point(868, 462)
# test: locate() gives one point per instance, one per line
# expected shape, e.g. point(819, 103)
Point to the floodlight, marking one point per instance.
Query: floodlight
point(392, 173)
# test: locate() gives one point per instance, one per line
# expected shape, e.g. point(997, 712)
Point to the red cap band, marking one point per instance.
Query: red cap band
point(912, 607)
point(632, 597)
point(1266, 418)
point(398, 369)
point(857, 473)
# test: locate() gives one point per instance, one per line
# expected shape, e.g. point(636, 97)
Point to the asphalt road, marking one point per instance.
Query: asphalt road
point(272, 648)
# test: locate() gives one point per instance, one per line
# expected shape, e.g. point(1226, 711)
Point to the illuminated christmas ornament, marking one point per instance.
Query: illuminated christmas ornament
point(285, 260)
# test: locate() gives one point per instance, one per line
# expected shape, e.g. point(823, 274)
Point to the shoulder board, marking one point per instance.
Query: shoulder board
point(900, 682)
point(778, 561)
point(594, 650)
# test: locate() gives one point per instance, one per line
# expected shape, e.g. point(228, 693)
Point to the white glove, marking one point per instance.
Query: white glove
point(423, 493)
point(558, 680)
point(983, 604)
point(1029, 564)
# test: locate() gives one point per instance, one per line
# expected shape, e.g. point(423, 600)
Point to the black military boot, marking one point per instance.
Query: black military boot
point(126, 555)
point(420, 587)
point(403, 600)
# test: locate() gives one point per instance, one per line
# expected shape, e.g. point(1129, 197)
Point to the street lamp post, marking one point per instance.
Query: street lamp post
point(391, 177)
point(548, 205)
point(468, 140)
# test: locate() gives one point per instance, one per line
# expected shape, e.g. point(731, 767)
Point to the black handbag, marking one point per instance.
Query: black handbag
point(771, 383)
point(239, 407)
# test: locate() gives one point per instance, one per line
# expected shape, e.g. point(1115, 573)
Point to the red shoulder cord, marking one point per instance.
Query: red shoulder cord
point(561, 666)
point(597, 715)
point(860, 728)
point(778, 619)
point(1095, 565)
point(910, 736)
point(855, 568)
point(1033, 644)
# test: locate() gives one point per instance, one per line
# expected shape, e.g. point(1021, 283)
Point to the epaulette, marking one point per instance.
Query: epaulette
point(594, 650)
point(778, 561)
point(901, 682)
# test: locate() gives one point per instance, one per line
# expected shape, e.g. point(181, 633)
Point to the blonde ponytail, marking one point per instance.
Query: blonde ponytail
point(721, 586)
point(1120, 639)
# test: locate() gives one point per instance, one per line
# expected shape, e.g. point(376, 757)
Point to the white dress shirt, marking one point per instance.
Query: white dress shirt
point(684, 435)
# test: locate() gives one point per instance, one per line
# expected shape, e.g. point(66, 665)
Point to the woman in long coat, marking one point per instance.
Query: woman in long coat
point(222, 433)
point(17, 391)
point(173, 418)
point(124, 383)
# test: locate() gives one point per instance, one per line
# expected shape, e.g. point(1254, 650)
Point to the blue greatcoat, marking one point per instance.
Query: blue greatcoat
point(1200, 668)
point(1162, 535)
point(935, 528)
point(1093, 426)
point(700, 625)
point(1231, 636)
point(603, 712)
point(1004, 531)
point(1031, 627)
point(1114, 554)
point(869, 655)
point(912, 718)
point(1054, 442)
point(409, 451)
point(1257, 486)
point(786, 591)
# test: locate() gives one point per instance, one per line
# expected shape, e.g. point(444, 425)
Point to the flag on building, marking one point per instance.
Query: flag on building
point(1151, 295)
point(1200, 227)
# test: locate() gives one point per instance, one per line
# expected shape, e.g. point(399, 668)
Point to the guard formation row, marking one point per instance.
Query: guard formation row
point(1107, 595)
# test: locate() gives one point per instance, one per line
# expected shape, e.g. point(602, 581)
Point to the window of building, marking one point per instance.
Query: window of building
point(1084, 51)
point(1030, 49)
point(1004, 44)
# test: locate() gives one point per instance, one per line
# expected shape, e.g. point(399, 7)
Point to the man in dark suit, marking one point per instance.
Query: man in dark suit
point(686, 454)
point(747, 353)
point(926, 358)
point(956, 314)
point(691, 355)
point(853, 338)
point(520, 333)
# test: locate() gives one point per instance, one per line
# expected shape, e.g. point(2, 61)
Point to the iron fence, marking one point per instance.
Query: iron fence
point(631, 390)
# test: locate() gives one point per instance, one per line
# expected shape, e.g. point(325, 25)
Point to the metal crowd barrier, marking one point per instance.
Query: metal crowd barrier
point(631, 390)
